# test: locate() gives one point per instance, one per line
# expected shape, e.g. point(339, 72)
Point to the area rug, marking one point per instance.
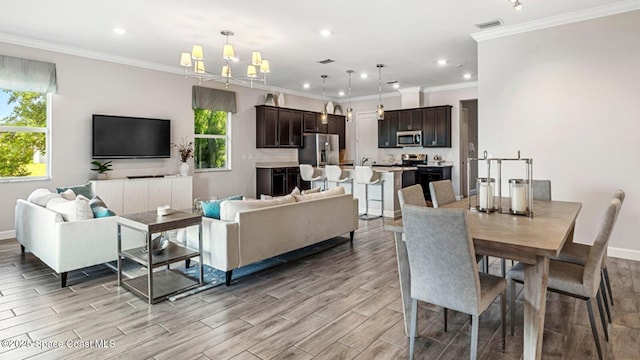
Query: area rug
point(214, 277)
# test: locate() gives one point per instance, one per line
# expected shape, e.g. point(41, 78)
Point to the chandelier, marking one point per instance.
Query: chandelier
point(193, 64)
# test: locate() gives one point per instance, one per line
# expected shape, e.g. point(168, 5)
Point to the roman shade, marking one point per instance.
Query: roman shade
point(213, 99)
point(27, 75)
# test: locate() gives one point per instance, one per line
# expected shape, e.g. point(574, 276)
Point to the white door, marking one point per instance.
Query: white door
point(366, 137)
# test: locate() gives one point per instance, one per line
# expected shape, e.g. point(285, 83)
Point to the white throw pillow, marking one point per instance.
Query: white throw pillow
point(229, 208)
point(68, 194)
point(71, 210)
point(311, 191)
point(331, 192)
point(41, 197)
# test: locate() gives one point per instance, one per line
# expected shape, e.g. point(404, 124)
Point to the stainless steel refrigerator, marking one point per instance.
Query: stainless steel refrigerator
point(319, 149)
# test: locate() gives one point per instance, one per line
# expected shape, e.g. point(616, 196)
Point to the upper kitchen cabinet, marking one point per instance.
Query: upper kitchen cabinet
point(337, 126)
point(387, 130)
point(410, 120)
point(266, 127)
point(311, 120)
point(278, 128)
point(436, 127)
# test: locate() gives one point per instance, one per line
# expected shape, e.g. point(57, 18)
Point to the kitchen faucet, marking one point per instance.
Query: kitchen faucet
point(364, 161)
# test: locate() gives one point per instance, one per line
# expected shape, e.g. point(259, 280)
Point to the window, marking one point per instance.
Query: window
point(212, 139)
point(24, 135)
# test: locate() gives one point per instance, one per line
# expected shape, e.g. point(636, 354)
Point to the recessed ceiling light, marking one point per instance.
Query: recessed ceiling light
point(119, 30)
point(467, 76)
point(442, 62)
point(325, 32)
point(305, 85)
point(341, 93)
point(363, 75)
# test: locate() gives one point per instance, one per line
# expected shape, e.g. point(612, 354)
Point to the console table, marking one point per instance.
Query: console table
point(156, 286)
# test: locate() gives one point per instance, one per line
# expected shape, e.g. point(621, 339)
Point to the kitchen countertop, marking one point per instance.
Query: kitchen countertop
point(273, 165)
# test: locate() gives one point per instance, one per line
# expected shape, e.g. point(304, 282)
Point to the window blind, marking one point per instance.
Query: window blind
point(27, 75)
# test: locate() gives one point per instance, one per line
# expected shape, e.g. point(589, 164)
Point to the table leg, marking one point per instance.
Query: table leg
point(119, 257)
point(150, 267)
point(405, 279)
point(535, 296)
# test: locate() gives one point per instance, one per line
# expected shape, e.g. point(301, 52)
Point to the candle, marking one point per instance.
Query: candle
point(519, 199)
point(486, 196)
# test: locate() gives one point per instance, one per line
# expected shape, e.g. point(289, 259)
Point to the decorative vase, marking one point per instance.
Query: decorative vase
point(281, 100)
point(270, 100)
point(184, 169)
point(101, 176)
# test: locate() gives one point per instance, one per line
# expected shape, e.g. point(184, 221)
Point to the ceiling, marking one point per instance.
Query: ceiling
point(407, 36)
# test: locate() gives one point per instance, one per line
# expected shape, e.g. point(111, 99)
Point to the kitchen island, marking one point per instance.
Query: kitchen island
point(392, 177)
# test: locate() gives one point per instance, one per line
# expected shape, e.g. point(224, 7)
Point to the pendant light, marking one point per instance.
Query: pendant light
point(380, 111)
point(324, 118)
point(349, 109)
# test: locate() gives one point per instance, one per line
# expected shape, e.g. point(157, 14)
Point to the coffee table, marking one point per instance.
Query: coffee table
point(158, 285)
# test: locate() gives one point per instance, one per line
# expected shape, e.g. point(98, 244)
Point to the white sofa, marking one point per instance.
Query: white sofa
point(261, 233)
point(67, 245)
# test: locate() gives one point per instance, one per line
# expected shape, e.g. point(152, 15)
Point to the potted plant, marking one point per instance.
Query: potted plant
point(101, 168)
point(185, 148)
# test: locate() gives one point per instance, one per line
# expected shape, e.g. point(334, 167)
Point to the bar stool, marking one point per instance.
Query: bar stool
point(366, 176)
point(334, 173)
point(308, 173)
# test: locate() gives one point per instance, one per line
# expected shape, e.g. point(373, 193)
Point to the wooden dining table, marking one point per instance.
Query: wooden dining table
point(530, 240)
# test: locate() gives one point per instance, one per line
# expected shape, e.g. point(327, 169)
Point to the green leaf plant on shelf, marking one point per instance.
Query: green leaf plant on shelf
point(101, 168)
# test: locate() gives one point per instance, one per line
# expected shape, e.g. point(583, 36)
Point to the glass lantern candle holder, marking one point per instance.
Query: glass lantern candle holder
point(519, 194)
point(485, 194)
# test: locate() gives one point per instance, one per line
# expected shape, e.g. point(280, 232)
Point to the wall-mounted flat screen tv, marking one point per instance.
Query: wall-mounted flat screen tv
point(121, 137)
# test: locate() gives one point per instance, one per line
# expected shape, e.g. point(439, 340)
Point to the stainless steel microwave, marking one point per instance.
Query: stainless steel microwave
point(409, 138)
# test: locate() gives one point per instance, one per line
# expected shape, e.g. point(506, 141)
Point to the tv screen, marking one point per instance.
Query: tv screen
point(120, 137)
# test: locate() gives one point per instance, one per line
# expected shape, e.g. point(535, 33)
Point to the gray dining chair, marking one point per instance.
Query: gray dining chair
point(412, 195)
point(441, 192)
point(578, 281)
point(541, 189)
point(579, 253)
point(443, 268)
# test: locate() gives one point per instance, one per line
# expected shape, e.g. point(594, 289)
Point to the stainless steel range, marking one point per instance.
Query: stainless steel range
point(414, 159)
point(425, 174)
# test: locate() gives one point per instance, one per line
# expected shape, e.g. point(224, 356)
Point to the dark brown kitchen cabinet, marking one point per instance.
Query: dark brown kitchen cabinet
point(278, 128)
point(311, 121)
point(290, 128)
point(410, 120)
point(278, 181)
point(387, 130)
point(266, 127)
point(436, 127)
point(337, 126)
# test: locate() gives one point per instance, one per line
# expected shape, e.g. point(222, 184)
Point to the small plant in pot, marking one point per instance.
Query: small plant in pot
point(101, 168)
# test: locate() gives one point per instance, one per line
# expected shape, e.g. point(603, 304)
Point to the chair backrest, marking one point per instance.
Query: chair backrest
point(541, 189)
point(442, 259)
point(333, 172)
point(591, 274)
point(441, 192)
point(306, 172)
point(364, 174)
point(411, 195)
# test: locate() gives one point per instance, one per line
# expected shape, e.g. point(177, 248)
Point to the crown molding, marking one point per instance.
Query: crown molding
point(557, 20)
point(457, 86)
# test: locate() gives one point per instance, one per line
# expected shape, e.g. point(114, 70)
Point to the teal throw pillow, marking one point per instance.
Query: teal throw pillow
point(212, 208)
point(99, 208)
point(84, 190)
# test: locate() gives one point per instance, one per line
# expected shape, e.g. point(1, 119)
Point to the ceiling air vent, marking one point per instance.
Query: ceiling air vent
point(489, 24)
point(325, 61)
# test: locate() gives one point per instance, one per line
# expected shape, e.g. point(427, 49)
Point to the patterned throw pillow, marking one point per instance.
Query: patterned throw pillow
point(99, 208)
point(212, 208)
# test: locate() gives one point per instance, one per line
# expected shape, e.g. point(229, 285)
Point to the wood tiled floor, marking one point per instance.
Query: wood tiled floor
point(343, 303)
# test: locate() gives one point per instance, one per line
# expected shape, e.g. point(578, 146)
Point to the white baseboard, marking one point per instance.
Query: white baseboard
point(9, 234)
point(623, 253)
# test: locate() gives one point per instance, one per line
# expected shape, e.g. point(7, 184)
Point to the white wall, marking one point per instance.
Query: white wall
point(87, 86)
point(567, 97)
